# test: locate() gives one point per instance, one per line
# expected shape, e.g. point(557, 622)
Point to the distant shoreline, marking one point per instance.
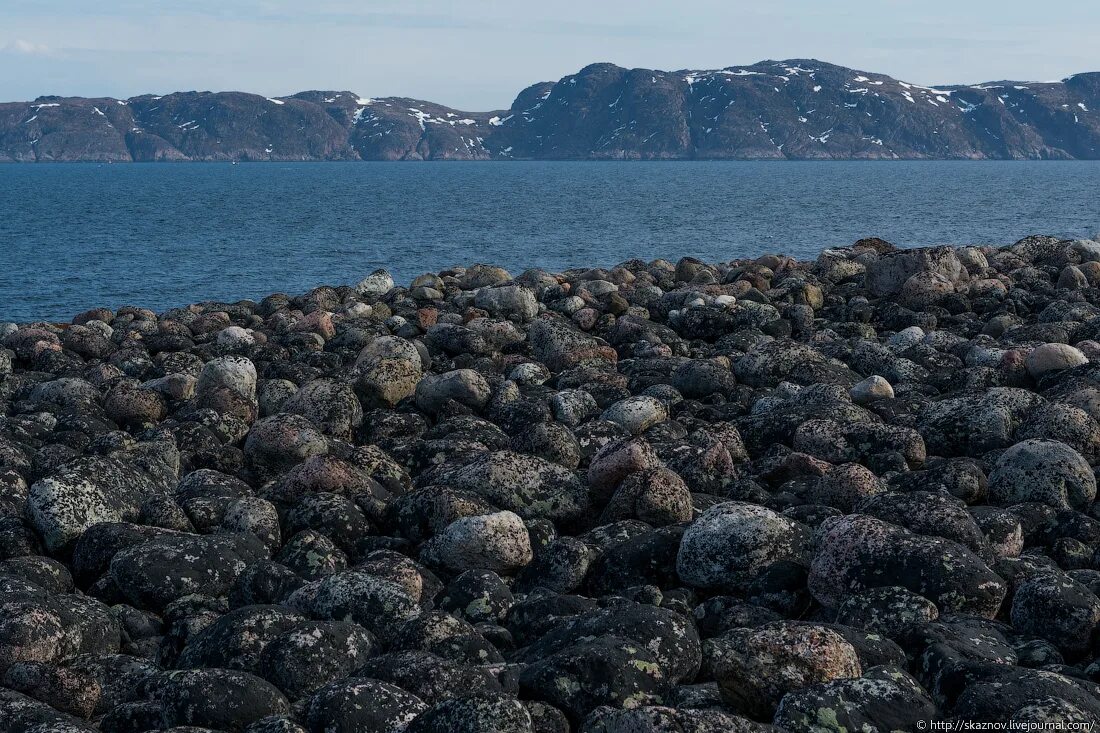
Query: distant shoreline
point(514, 161)
point(797, 109)
point(78, 236)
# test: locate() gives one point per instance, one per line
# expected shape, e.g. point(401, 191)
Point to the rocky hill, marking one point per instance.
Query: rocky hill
point(796, 109)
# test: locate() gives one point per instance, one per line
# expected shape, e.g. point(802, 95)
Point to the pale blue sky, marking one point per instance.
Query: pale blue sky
point(476, 54)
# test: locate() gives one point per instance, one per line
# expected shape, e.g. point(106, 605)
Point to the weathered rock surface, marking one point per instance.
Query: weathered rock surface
point(851, 494)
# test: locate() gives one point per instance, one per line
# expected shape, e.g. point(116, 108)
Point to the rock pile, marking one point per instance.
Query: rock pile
point(849, 494)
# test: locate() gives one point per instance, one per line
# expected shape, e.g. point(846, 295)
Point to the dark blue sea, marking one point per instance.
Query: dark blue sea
point(73, 236)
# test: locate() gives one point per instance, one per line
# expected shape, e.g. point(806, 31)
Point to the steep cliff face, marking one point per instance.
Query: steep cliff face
point(409, 129)
point(800, 109)
point(232, 125)
point(796, 109)
point(53, 128)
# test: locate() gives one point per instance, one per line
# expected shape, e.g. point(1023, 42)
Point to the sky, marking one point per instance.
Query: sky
point(478, 54)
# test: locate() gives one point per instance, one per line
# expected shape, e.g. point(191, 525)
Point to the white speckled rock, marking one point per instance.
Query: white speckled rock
point(388, 347)
point(358, 310)
point(888, 273)
point(376, 284)
point(255, 515)
point(88, 490)
point(972, 258)
point(497, 542)
point(329, 404)
point(1058, 609)
point(1053, 357)
point(755, 668)
point(360, 704)
point(29, 632)
point(508, 301)
point(636, 414)
point(1071, 278)
point(906, 337)
point(529, 374)
point(174, 386)
point(388, 370)
point(464, 386)
point(235, 373)
point(152, 574)
point(925, 289)
point(235, 337)
point(1087, 249)
point(573, 406)
point(377, 604)
point(855, 552)
point(732, 542)
point(871, 389)
point(1045, 471)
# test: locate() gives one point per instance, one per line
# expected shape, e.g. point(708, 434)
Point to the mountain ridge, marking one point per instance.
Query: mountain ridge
point(799, 109)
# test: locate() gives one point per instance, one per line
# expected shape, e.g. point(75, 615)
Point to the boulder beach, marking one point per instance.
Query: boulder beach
point(850, 493)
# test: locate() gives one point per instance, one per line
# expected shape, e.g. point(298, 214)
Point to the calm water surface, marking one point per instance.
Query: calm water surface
point(77, 236)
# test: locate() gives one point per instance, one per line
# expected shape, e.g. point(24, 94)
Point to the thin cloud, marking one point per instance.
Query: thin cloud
point(26, 48)
point(478, 54)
